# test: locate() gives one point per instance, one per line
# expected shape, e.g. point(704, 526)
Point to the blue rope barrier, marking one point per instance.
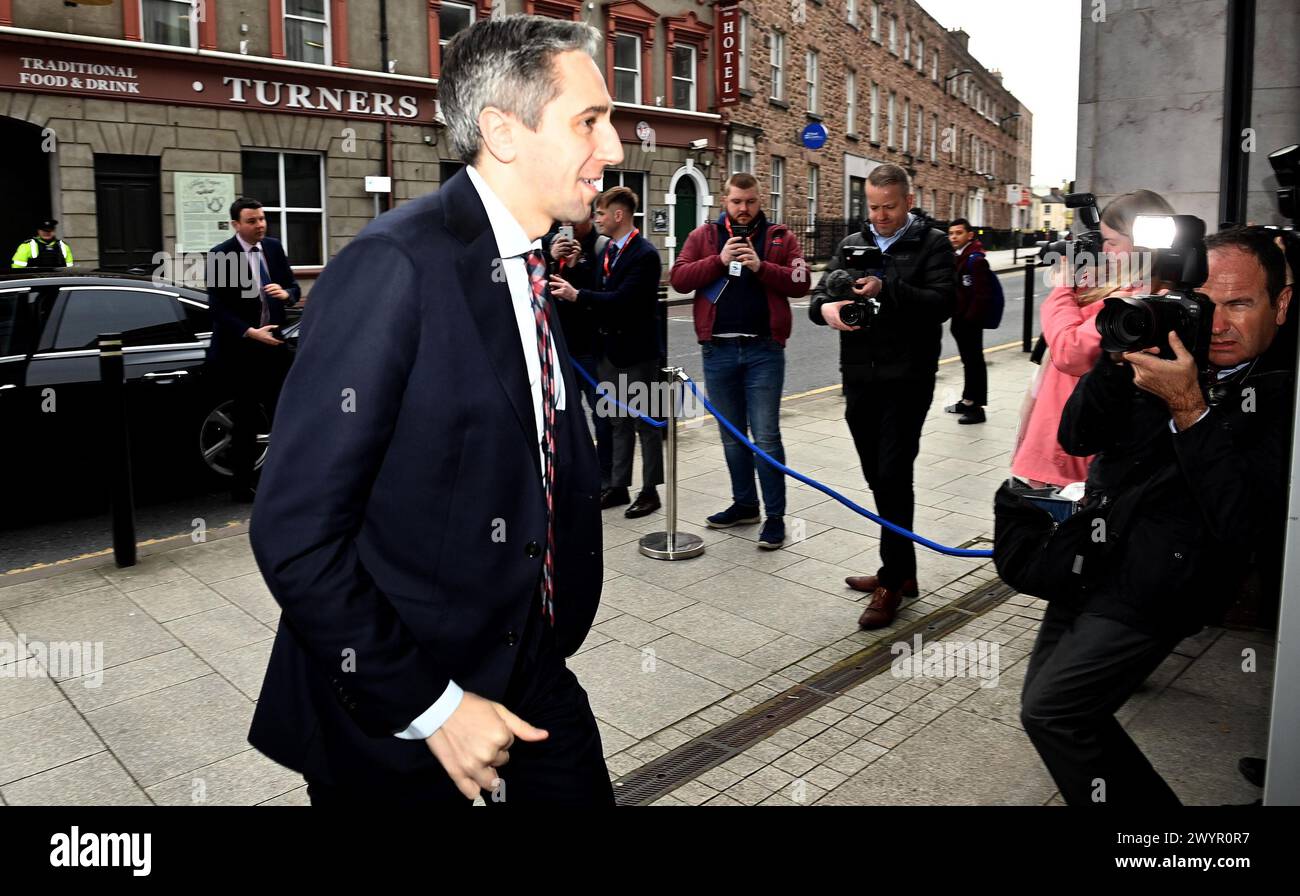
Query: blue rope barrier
point(919, 539)
point(657, 424)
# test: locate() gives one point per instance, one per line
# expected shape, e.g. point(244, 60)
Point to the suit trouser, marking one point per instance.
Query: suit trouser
point(885, 419)
point(969, 336)
point(627, 427)
point(1083, 668)
point(568, 768)
point(256, 375)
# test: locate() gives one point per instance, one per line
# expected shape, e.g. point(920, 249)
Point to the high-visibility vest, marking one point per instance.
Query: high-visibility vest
point(34, 248)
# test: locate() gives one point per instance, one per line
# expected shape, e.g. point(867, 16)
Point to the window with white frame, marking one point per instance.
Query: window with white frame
point(890, 118)
point(851, 102)
point(920, 53)
point(907, 46)
point(684, 77)
point(627, 68)
point(743, 68)
point(291, 188)
point(934, 137)
point(907, 126)
point(893, 35)
point(810, 75)
point(776, 43)
point(453, 18)
point(851, 11)
point(875, 112)
point(742, 160)
point(775, 199)
point(170, 22)
point(934, 66)
point(814, 180)
point(875, 21)
point(306, 31)
point(920, 131)
point(634, 181)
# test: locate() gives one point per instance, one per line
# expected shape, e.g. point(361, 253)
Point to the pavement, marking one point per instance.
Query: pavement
point(679, 652)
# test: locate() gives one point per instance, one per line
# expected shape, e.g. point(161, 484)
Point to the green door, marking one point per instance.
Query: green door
point(686, 211)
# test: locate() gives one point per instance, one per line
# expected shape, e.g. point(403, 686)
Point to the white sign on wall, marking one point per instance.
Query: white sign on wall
point(202, 210)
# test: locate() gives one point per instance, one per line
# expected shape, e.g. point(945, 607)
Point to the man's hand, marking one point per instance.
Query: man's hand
point(748, 257)
point(476, 740)
point(276, 291)
point(831, 314)
point(264, 334)
point(563, 289)
point(731, 251)
point(868, 287)
point(1174, 382)
point(562, 248)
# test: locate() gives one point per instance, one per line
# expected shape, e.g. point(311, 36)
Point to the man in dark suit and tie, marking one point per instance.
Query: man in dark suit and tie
point(624, 290)
point(250, 283)
point(428, 519)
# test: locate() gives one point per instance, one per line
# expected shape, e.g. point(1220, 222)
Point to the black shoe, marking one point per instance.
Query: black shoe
point(646, 503)
point(974, 414)
point(960, 407)
point(1252, 769)
point(733, 516)
point(613, 497)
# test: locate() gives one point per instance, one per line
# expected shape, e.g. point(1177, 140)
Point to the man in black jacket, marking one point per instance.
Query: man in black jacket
point(1192, 482)
point(889, 369)
point(250, 283)
point(625, 294)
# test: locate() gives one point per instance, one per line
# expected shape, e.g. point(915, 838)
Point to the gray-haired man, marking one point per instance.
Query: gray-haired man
point(435, 542)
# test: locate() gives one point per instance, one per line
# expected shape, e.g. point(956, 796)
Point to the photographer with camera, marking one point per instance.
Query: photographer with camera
point(1069, 319)
point(1189, 414)
point(888, 290)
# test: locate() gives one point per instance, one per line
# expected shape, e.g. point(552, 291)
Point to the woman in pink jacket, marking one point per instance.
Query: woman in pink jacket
point(1069, 320)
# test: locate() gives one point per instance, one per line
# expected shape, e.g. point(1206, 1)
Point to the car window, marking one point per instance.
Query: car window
point(143, 318)
point(200, 317)
point(9, 305)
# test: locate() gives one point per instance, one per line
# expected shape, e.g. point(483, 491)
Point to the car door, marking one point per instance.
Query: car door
point(16, 338)
point(163, 366)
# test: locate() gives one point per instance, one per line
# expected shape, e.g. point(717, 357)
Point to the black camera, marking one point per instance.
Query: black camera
point(1087, 245)
point(1286, 167)
point(1134, 323)
point(856, 262)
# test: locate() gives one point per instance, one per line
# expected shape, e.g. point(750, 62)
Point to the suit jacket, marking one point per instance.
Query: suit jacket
point(236, 308)
point(581, 328)
point(627, 303)
point(401, 519)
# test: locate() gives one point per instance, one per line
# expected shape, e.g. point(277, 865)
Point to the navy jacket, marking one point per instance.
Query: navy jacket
point(236, 308)
point(627, 303)
point(401, 517)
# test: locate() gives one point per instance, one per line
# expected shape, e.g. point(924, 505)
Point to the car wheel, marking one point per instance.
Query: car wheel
point(215, 438)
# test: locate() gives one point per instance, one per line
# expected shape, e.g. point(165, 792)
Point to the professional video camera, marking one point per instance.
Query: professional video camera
point(1134, 323)
point(856, 262)
point(1087, 245)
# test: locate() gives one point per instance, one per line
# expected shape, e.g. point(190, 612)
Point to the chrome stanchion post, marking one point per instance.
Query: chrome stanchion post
point(670, 544)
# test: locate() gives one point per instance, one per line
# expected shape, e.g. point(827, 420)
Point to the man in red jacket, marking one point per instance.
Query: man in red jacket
point(744, 270)
point(968, 319)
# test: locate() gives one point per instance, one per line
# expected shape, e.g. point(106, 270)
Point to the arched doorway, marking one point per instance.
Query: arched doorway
point(688, 204)
point(25, 194)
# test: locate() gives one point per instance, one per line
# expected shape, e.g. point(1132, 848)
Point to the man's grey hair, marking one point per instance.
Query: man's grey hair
point(507, 63)
point(888, 175)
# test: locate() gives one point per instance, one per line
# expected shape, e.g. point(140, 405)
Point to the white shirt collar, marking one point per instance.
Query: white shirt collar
point(511, 239)
point(245, 244)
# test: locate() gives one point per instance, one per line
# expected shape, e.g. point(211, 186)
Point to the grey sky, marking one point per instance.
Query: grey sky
point(1035, 43)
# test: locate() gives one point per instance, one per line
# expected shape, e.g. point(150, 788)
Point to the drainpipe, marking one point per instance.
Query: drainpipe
point(386, 144)
point(1238, 80)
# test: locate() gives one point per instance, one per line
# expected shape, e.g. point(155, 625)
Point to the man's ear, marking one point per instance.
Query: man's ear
point(1283, 302)
point(498, 130)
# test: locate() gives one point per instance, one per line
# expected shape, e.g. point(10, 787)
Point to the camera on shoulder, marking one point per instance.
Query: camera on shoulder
point(856, 262)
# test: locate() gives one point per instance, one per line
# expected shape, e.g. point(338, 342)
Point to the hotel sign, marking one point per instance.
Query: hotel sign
point(727, 77)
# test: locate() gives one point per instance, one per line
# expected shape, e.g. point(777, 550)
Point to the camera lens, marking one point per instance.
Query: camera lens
point(851, 315)
point(1126, 325)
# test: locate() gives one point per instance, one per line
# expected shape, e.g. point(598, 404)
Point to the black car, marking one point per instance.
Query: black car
point(51, 419)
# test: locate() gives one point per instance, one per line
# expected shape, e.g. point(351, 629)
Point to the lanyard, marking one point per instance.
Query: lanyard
point(618, 250)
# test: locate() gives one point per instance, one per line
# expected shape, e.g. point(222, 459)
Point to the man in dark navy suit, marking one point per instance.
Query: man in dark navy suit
point(624, 290)
point(428, 519)
point(249, 285)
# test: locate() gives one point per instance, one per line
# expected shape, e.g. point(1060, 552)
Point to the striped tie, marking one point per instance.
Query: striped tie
point(536, 265)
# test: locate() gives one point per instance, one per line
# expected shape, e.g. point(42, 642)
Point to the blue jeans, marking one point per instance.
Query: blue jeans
point(743, 378)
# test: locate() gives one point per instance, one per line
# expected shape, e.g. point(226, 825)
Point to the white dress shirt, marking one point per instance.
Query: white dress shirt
point(512, 245)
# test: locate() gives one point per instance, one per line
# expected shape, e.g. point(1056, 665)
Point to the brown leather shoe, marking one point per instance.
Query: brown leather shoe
point(871, 583)
point(881, 609)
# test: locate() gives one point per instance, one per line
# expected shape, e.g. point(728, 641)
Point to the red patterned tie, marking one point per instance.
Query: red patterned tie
point(541, 314)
